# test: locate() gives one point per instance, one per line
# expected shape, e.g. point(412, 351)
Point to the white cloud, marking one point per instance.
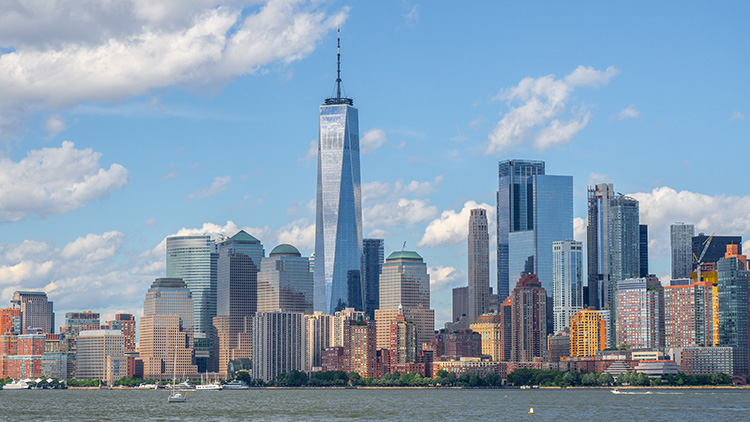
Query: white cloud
point(663, 206)
point(445, 278)
point(94, 247)
point(55, 124)
point(219, 185)
point(299, 233)
point(312, 151)
point(452, 227)
point(534, 108)
point(372, 140)
point(64, 53)
point(579, 229)
point(403, 211)
point(54, 181)
point(378, 191)
point(628, 113)
point(596, 178)
point(737, 116)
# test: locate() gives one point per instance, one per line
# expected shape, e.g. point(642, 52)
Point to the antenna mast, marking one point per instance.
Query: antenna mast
point(338, 64)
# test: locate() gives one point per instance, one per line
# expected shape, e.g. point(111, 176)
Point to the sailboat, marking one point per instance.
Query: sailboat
point(176, 396)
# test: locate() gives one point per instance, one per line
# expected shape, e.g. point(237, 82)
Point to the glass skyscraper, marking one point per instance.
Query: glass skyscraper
point(533, 211)
point(285, 282)
point(373, 254)
point(567, 273)
point(194, 260)
point(338, 222)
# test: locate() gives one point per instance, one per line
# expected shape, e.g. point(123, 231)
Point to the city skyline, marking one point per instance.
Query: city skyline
point(216, 152)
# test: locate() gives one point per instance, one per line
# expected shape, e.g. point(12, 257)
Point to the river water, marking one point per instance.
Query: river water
point(379, 405)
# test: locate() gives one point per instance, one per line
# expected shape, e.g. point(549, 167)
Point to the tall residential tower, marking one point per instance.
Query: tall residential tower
point(479, 264)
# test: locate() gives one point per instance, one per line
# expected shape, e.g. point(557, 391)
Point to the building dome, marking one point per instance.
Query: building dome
point(285, 249)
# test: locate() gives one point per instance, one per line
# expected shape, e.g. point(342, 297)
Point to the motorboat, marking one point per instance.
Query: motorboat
point(147, 387)
point(616, 391)
point(17, 385)
point(177, 397)
point(236, 385)
point(184, 386)
point(209, 387)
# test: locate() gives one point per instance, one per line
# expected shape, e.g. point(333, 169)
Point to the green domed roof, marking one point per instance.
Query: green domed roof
point(404, 255)
point(243, 237)
point(285, 249)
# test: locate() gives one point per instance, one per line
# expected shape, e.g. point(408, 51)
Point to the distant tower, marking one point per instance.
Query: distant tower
point(681, 237)
point(597, 236)
point(285, 282)
point(529, 316)
point(479, 264)
point(373, 254)
point(36, 311)
point(567, 273)
point(338, 228)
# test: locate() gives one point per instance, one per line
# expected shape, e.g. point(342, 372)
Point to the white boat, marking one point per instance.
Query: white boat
point(147, 387)
point(616, 391)
point(17, 385)
point(177, 397)
point(236, 385)
point(185, 386)
point(209, 387)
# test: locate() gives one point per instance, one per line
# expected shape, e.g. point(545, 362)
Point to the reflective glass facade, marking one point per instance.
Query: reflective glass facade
point(567, 274)
point(534, 210)
point(373, 254)
point(285, 282)
point(338, 228)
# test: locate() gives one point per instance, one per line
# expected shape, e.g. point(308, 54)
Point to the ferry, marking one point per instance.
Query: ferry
point(17, 385)
point(236, 385)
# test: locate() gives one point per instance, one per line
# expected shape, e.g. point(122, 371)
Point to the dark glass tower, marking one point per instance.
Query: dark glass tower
point(373, 254)
point(338, 222)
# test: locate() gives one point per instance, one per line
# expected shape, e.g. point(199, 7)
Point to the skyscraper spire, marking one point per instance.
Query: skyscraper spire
point(338, 99)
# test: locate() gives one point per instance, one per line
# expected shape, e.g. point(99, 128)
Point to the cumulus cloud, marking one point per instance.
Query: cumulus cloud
point(403, 211)
point(299, 233)
point(535, 108)
point(54, 125)
point(372, 140)
point(54, 181)
point(445, 278)
point(663, 206)
point(219, 185)
point(452, 227)
point(579, 229)
point(377, 191)
point(312, 151)
point(596, 178)
point(628, 113)
point(94, 247)
point(64, 53)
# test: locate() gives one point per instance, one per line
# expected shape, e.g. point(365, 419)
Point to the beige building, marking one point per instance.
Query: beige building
point(490, 327)
point(36, 311)
point(405, 284)
point(93, 347)
point(337, 331)
point(319, 335)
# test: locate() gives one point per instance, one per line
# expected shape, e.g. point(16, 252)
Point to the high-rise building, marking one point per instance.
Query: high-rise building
point(404, 289)
point(716, 249)
point(588, 333)
point(285, 281)
point(558, 345)
point(681, 242)
point(529, 316)
point(193, 259)
point(490, 328)
point(75, 322)
point(639, 304)
point(597, 237)
point(533, 210)
point(36, 311)
point(479, 264)
point(337, 333)
point(319, 337)
point(460, 303)
point(567, 274)
point(338, 227)
point(373, 255)
point(93, 348)
point(10, 321)
point(687, 315)
point(734, 312)
point(126, 324)
point(279, 344)
point(462, 343)
point(359, 347)
point(643, 250)
point(236, 298)
point(166, 330)
point(403, 348)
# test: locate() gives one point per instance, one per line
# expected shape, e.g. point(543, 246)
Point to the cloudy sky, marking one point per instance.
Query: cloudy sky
point(124, 122)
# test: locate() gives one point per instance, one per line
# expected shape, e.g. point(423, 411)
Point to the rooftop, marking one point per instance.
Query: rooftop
point(285, 249)
point(243, 237)
point(404, 255)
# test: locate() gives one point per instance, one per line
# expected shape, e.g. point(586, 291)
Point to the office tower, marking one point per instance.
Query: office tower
point(373, 255)
point(639, 304)
point(588, 333)
point(643, 250)
point(236, 298)
point(716, 249)
point(479, 264)
point(10, 321)
point(94, 346)
point(166, 330)
point(403, 348)
point(734, 314)
point(338, 216)
point(460, 303)
point(681, 242)
point(567, 274)
point(597, 237)
point(687, 315)
point(490, 328)
point(279, 344)
point(528, 319)
point(558, 345)
point(36, 311)
point(285, 282)
point(359, 347)
point(126, 324)
point(405, 285)
point(319, 337)
point(533, 210)
point(193, 259)
point(75, 322)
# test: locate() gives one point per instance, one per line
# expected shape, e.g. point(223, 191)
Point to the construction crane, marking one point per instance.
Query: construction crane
point(699, 260)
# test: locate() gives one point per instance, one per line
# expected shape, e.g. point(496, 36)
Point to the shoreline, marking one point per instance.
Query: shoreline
point(663, 387)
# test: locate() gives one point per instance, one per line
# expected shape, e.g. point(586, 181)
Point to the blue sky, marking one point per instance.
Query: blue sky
point(199, 116)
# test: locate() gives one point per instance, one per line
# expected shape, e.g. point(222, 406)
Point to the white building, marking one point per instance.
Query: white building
point(567, 281)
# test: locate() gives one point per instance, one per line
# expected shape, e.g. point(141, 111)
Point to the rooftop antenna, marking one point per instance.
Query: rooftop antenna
point(403, 247)
point(338, 64)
